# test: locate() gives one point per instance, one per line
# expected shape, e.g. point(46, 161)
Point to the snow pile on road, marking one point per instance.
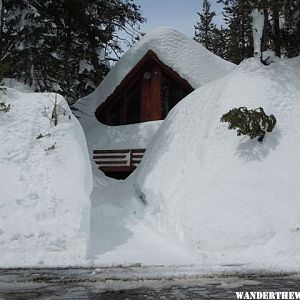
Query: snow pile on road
point(229, 199)
point(45, 183)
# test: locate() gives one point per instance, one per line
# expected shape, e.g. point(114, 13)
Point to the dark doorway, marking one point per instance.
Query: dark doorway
point(133, 101)
point(172, 92)
point(117, 175)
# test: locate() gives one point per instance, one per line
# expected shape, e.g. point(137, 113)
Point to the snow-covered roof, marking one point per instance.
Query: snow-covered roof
point(189, 59)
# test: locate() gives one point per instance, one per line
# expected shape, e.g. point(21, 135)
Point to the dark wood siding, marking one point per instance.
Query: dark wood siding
point(147, 93)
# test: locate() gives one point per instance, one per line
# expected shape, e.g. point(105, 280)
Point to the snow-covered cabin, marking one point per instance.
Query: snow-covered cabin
point(147, 93)
point(144, 85)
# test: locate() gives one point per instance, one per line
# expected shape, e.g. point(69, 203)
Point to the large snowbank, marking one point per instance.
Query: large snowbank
point(189, 59)
point(44, 194)
point(223, 198)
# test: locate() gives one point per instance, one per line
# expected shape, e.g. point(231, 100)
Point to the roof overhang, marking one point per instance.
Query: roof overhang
point(131, 78)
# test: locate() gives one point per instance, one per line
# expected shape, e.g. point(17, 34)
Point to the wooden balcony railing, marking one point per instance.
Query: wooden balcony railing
point(125, 160)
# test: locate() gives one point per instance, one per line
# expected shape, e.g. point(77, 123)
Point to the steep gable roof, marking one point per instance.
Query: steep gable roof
point(190, 60)
point(133, 76)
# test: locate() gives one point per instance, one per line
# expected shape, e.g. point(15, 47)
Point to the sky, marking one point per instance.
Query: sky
point(178, 14)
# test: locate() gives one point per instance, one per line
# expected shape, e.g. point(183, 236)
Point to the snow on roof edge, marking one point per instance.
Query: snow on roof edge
point(188, 58)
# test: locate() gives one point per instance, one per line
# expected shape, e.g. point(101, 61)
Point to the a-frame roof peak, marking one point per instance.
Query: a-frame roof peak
point(189, 59)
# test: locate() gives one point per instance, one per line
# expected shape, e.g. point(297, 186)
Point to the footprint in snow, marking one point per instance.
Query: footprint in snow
point(29, 200)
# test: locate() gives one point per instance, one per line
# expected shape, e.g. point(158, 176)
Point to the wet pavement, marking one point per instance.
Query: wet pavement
point(138, 283)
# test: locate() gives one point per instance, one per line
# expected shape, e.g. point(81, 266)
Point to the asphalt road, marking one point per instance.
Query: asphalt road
point(137, 283)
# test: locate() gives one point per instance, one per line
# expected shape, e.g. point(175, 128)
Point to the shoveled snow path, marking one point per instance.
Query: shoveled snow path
point(118, 233)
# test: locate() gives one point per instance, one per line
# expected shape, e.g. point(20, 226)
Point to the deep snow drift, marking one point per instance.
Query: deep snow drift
point(44, 193)
point(229, 199)
point(212, 198)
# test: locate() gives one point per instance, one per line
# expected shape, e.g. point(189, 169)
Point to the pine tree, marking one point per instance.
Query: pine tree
point(205, 29)
point(297, 25)
point(65, 45)
point(220, 42)
point(239, 32)
point(1, 27)
point(290, 34)
point(254, 122)
point(297, 15)
point(281, 29)
point(25, 37)
point(3, 70)
point(1, 73)
point(280, 32)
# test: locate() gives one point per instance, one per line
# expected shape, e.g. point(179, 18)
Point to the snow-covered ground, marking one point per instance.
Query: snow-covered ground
point(201, 196)
point(44, 193)
point(119, 235)
point(204, 196)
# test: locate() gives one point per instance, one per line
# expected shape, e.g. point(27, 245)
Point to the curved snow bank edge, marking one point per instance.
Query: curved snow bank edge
point(44, 192)
point(229, 199)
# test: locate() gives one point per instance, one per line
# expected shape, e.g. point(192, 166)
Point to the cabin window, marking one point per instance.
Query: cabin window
point(133, 104)
point(116, 112)
point(173, 92)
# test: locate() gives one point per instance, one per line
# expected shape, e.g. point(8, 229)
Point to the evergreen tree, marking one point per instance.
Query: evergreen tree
point(205, 29)
point(281, 29)
point(65, 45)
point(297, 15)
point(280, 32)
point(253, 122)
point(23, 26)
point(290, 32)
point(1, 73)
point(239, 30)
point(220, 43)
point(1, 27)
point(297, 25)
point(3, 69)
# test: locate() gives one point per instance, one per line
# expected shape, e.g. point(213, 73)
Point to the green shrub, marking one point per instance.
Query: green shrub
point(254, 122)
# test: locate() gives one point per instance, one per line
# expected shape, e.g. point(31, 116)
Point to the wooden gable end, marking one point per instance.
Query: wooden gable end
point(147, 93)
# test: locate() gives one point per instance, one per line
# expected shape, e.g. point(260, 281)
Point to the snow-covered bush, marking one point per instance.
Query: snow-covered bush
point(55, 112)
point(254, 122)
